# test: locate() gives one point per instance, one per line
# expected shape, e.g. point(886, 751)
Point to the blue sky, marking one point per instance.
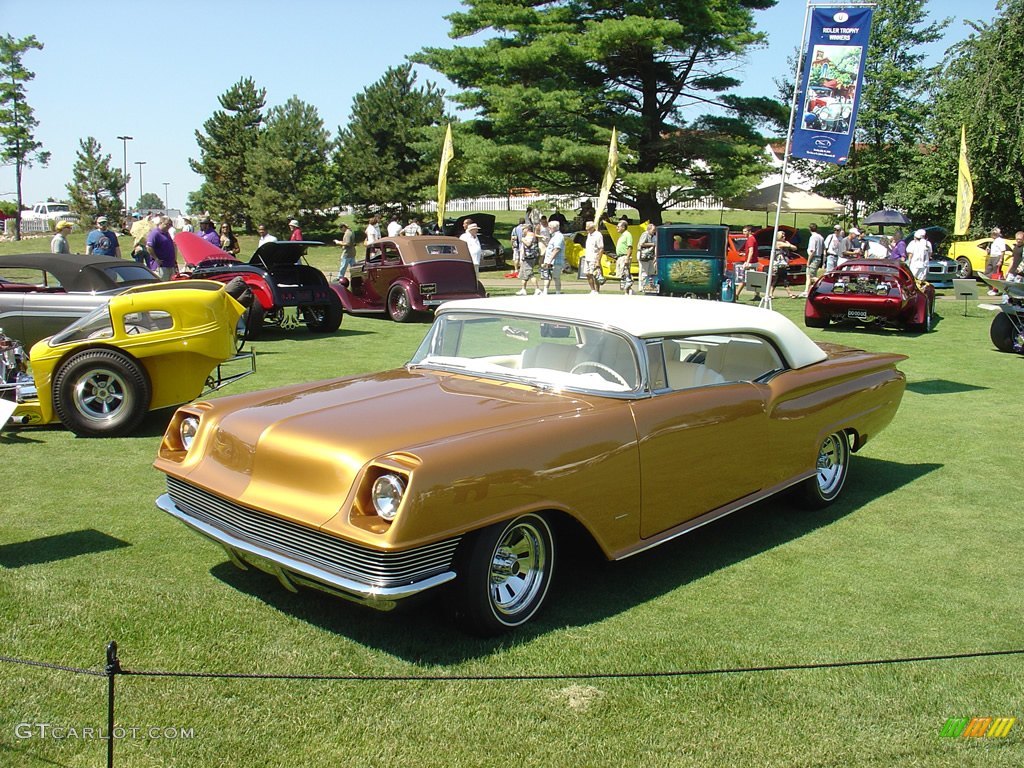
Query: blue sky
point(154, 72)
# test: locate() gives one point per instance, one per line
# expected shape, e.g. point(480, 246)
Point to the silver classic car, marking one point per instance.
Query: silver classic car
point(43, 293)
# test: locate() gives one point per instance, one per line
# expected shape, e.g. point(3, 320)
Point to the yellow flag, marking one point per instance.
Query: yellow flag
point(609, 175)
point(964, 189)
point(447, 153)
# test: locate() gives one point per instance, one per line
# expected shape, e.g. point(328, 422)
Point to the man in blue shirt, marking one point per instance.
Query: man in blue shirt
point(102, 241)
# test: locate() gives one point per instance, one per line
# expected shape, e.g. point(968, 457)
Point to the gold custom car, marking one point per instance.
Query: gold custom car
point(515, 421)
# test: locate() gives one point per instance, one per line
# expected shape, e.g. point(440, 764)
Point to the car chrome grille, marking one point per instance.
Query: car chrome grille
point(382, 569)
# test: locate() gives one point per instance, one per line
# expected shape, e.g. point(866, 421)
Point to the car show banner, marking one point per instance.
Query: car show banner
point(964, 189)
point(447, 153)
point(611, 170)
point(830, 87)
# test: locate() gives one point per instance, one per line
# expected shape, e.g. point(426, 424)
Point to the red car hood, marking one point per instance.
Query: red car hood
point(194, 250)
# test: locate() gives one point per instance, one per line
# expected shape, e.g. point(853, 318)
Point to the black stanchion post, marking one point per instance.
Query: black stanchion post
point(112, 669)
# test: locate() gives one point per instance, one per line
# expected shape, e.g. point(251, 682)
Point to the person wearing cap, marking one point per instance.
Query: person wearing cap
point(919, 253)
point(850, 247)
point(102, 241)
point(208, 232)
point(645, 256)
point(59, 243)
point(348, 250)
point(296, 232)
point(832, 243)
point(471, 238)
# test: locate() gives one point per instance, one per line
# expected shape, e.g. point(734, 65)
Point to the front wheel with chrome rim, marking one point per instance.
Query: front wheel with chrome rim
point(831, 468)
point(504, 573)
point(101, 393)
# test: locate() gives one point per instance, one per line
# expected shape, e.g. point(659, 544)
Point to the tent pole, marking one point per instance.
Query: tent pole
point(766, 300)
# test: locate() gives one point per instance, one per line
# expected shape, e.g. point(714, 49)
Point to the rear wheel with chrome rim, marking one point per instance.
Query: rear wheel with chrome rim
point(831, 468)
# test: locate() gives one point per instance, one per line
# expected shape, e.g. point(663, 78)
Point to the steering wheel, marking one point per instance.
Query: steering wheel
point(600, 366)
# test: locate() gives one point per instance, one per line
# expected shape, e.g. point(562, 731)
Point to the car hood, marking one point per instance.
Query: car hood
point(297, 450)
point(195, 250)
point(278, 253)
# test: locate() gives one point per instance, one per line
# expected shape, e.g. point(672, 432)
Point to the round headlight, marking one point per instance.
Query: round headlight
point(188, 430)
point(387, 495)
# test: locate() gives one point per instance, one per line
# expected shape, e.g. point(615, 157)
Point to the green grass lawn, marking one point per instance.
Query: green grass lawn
point(922, 555)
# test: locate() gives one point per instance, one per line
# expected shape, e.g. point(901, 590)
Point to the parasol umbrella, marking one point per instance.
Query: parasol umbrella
point(886, 218)
point(140, 229)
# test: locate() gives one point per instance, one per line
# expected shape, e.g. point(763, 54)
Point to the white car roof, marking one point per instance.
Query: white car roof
point(657, 316)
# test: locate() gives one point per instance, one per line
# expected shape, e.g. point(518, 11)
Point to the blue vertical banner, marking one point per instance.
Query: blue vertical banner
point(833, 76)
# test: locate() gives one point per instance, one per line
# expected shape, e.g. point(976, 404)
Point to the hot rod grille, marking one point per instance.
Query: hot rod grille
point(382, 569)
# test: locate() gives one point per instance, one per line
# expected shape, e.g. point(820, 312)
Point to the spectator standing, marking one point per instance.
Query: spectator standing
point(832, 243)
point(1015, 272)
point(208, 232)
point(296, 230)
point(558, 216)
point(516, 239)
point(645, 255)
point(593, 250)
point(543, 233)
point(851, 246)
point(394, 227)
point(780, 267)
point(348, 250)
point(160, 247)
point(59, 243)
point(102, 241)
point(624, 257)
point(528, 260)
point(899, 247)
point(919, 253)
point(749, 261)
point(228, 241)
point(470, 238)
point(554, 258)
point(413, 228)
point(372, 230)
point(996, 254)
point(186, 224)
point(265, 236)
point(815, 256)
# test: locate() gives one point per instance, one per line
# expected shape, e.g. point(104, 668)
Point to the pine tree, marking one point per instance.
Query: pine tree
point(287, 170)
point(381, 156)
point(231, 133)
point(95, 188)
point(559, 74)
point(17, 120)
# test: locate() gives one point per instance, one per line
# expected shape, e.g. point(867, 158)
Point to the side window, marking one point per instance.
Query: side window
point(698, 361)
point(373, 255)
point(391, 255)
point(136, 323)
point(40, 278)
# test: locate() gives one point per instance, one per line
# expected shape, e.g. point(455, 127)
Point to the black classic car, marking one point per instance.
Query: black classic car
point(288, 291)
point(493, 254)
point(42, 293)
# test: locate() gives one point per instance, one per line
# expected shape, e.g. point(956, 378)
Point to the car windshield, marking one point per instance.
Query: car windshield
point(95, 325)
point(550, 354)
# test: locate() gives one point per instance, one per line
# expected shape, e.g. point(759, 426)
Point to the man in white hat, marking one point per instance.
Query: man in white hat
point(919, 253)
point(472, 239)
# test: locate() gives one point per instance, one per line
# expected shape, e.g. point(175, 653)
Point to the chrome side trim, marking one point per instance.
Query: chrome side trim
point(302, 572)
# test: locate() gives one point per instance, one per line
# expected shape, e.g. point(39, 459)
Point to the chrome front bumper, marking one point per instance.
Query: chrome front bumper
point(291, 571)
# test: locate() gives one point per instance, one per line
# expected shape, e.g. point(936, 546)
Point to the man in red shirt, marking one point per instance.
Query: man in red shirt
point(749, 260)
point(296, 232)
